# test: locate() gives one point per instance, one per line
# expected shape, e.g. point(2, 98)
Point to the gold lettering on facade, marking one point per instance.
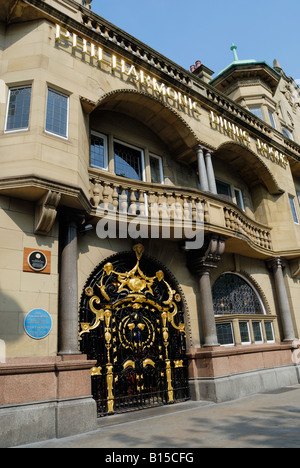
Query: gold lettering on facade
point(271, 153)
point(236, 133)
point(229, 129)
point(148, 82)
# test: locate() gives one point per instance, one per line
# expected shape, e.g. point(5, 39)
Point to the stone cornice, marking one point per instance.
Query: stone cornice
point(51, 365)
point(70, 194)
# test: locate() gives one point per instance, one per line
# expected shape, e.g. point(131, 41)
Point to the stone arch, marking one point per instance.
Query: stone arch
point(252, 283)
point(160, 117)
point(159, 266)
point(251, 168)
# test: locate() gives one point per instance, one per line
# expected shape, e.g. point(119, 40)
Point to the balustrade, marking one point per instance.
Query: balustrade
point(235, 221)
point(136, 200)
point(175, 204)
point(134, 47)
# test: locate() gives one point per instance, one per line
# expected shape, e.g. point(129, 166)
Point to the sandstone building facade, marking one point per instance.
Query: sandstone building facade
point(149, 224)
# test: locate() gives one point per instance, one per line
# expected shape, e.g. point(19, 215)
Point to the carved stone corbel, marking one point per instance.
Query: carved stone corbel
point(209, 256)
point(295, 268)
point(45, 212)
point(200, 262)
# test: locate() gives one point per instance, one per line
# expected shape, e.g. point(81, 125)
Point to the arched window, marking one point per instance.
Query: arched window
point(241, 318)
point(234, 295)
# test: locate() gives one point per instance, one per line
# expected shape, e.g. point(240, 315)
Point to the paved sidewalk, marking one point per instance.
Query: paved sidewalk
point(266, 420)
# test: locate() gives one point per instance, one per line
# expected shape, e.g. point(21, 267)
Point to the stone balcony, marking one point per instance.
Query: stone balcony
point(163, 205)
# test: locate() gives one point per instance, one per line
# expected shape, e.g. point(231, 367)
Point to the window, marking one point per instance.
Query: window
point(129, 161)
point(293, 208)
point(269, 329)
point(240, 315)
point(257, 332)
point(157, 176)
point(225, 334)
point(99, 157)
point(57, 113)
point(224, 189)
point(233, 295)
point(257, 111)
point(272, 119)
point(239, 198)
point(18, 109)
point(286, 132)
point(235, 195)
point(245, 333)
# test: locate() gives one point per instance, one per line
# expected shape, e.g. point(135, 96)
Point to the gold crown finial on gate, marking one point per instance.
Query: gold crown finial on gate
point(136, 286)
point(139, 249)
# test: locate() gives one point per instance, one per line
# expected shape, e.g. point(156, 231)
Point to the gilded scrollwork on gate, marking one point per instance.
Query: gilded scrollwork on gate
point(134, 287)
point(136, 332)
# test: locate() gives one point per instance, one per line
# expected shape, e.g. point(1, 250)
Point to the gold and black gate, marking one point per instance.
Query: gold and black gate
point(132, 323)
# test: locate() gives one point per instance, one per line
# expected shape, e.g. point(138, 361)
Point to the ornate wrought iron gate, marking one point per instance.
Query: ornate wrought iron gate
point(132, 323)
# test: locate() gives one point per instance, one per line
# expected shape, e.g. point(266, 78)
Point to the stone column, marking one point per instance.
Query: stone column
point(210, 173)
point(207, 310)
point(277, 265)
point(68, 288)
point(204, 187)
point(201, 262)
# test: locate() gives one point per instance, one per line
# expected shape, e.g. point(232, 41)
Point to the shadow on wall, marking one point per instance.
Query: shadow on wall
point(11, 321)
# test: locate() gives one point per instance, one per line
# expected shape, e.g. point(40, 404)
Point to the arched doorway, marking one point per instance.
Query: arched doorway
point(132, 323)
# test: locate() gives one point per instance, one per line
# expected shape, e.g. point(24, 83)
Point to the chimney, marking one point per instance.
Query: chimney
point(201, 71)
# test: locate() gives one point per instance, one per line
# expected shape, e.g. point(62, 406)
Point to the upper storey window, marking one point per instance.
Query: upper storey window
point(129, 161)
point(286, 132)
point(257, 111)
point(293, 208)
point(232, 193)
point(125, 160)
point(99, 157)
point(57, 113)
point(272, 118)
point(156, 168)
point(18, 109)
point(224, 189)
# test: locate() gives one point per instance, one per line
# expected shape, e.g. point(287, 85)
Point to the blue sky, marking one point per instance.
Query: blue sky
point(190, 30)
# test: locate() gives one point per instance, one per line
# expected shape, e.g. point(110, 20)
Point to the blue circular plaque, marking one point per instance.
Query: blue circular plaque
point(38, 324)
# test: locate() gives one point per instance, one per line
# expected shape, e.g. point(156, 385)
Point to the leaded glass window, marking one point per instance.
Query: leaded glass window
point(258, 338)
point(57, 113)
point(244, 331)
point(128, 162)
point(269, 332)
point(18, 109)
point(225, 334)
point(98, 151)
point(233, 295)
